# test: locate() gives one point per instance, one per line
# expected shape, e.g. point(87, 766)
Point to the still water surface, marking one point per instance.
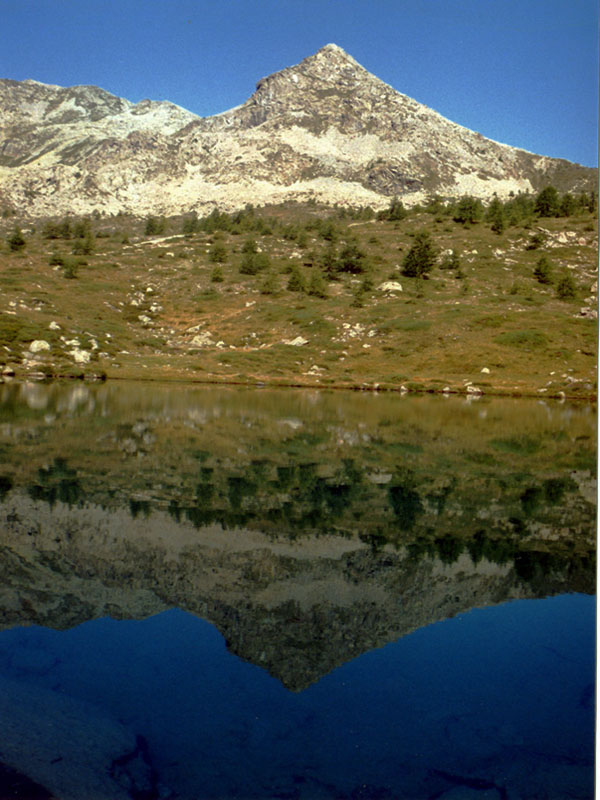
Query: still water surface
point(257, 594)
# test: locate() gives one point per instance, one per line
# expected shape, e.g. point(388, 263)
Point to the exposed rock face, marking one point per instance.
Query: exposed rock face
point(324, 129)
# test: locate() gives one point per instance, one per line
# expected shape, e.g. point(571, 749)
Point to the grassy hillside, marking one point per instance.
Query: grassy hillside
point(296, 295)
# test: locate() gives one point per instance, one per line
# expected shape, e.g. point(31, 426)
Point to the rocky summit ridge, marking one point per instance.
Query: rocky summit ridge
point(325, 129)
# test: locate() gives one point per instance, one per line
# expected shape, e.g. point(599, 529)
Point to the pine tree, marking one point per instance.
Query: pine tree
point(328, 260)
point(547, 202)
point(496, 216)
point(568, 205)
point(296, 282)
point(420, 259)
point(543, 270)
point(317, 286)
point(270, 285)
point(468, 211)
point(85, 246)
point(352, 259)
point(566, 288)
point(154, 226)
point(396, 211)
point(217, 253)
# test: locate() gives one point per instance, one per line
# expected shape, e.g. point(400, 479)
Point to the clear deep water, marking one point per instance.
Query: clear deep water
point(263, 595)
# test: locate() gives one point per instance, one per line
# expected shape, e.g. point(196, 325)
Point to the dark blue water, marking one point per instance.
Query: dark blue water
point(494, 703)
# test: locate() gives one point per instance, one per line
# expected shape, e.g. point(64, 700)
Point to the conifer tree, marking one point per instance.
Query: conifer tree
point(543, 270)
point(296, 282)
point(317, 286)
point(547, 202)
point(420, 259)
point(468, 211)
point(566, 289)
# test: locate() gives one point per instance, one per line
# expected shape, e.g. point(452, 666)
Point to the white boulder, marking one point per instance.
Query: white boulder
point(80, 356)
point(39, 346)
point(390, 286)
point(202, 340)
point(297, 342)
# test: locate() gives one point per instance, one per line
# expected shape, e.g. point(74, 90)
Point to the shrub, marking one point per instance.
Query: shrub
point(543, 270)
point(566, 288)
point(352, 259)
point(217, 275)
point(451, 260)
point(537, 240)
point(70, 268)
point(249, 246)
point(217, 253)
point(253, 262)
point(358, 299)
point(317, 286)
point(296, 282)
point(270, 284)
point(522, 338)
point(50, 230)
point(56, 260)
point(154, 226)
point(16, 241)
point(328, 232)
point(86, 246)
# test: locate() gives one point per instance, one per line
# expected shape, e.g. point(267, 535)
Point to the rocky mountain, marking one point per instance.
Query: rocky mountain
point(308, 529)
point(297, 609)
point(325, 129)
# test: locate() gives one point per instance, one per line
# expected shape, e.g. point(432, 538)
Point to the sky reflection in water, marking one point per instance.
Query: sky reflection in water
point(497, 700)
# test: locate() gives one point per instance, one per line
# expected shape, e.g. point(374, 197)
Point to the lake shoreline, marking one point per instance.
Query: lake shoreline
point(423, 386)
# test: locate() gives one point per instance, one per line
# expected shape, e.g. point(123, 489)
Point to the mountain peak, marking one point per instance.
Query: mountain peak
point(332, 55)
point(333, 49)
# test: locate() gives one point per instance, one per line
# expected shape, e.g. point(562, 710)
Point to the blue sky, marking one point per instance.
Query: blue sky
point(523, 72)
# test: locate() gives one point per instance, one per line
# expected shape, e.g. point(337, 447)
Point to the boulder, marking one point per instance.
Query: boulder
point(297, 342)
point(202, 340)
point(80, 356)
point(390, 286)
point(38, 346)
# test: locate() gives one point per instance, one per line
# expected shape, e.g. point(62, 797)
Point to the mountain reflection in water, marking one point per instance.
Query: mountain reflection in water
point(314, 531)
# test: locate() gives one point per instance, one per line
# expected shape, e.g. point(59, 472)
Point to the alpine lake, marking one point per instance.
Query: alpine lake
point(312, 595)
